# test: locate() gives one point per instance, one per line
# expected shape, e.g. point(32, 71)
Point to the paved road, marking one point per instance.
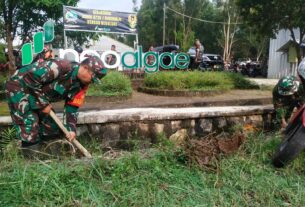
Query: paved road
point(264, 81)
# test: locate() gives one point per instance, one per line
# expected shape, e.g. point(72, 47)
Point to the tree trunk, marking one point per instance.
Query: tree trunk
point(224, 43)
point(9, 40)
point(227, 37)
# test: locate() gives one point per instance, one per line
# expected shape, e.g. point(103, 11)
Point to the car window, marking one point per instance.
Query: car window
point(214, 57)
point(192, 51)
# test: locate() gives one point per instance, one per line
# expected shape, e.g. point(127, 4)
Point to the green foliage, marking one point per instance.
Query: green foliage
point(240, 82)
point(26, 17)
point(3, 78)
point(2, 33)
point(42, 10)
point(2, 53)
point(252, 43)
point(246, 40)
point(284, 15)
point(207, 33)
point(6, 136)
point(156, 178)
point(113, 84)
point(196, 81)
point(4, 110)
point(179, 30)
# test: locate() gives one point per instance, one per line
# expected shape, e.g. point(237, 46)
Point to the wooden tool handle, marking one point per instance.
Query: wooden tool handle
point(67, 133)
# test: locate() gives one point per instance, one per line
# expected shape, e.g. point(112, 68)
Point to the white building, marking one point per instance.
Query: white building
point(282, 60)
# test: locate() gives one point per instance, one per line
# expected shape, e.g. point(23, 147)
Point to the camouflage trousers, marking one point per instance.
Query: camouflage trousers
point(32, 125)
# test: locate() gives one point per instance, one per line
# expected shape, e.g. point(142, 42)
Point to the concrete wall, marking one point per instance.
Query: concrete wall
point(115, 128)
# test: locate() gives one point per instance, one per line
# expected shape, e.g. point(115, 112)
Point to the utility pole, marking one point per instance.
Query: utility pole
point(164, 13)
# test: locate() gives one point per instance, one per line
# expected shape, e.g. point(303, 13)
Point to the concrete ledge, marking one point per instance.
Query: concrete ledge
point(122, 127)
point(5, 120)
point(184, 93)
point(143, 114)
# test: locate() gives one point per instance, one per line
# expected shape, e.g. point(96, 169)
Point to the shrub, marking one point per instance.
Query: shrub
point(3, 78)
point(240, 82)
point(194, 81)
point(113, 84)
point(2, 54)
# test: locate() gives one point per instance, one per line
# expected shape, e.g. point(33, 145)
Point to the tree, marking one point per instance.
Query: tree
point(231, 18)
point(26, 16)
point(149, 24)
point(209, 33)
point(186, 34)
point(179, 28)
point(2, 54)
point(251, 44)
point(272, 15)
point(135, 7)
point(2, 32)
point(230, 29)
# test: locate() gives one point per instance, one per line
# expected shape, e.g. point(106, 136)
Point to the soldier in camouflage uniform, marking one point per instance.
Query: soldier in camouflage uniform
point(287, 94)
point(45, 55)
point(32, 88)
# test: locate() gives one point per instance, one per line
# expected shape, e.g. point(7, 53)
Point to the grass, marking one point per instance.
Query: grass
point(197, 81)
point(3, 78)
point(113, 84)
point(4, 110)
point(267, 87)
point(156, 179)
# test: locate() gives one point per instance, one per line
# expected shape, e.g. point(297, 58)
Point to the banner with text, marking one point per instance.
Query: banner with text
point(78, 19)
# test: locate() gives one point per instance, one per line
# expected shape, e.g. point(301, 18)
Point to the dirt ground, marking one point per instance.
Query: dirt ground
point(233, 97)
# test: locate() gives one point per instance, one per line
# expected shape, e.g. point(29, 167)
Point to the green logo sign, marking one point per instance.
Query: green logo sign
point(38, 43)
point(151, 61)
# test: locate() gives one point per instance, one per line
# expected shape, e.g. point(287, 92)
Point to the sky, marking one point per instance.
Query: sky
point(113, 5)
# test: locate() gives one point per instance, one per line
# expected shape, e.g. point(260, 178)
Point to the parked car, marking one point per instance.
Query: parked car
point(167, 48)
point(242, 62)
point(251, 68)
point(209, 61)
point(192, 53)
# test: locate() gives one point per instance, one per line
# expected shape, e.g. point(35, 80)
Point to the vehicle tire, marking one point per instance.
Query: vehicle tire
point(253, 74)
point(201, 67)
point(243, 72)
point(292, 145)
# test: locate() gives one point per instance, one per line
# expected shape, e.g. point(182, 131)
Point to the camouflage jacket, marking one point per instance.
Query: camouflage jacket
point(284, 105)
point(52, 81)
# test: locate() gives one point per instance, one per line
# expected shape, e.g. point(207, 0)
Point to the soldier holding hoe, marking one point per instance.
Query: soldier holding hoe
point(32, 89)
